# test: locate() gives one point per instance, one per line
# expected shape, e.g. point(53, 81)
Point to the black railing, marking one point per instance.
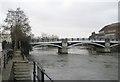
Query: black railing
point(5, 58)
point(39, 73)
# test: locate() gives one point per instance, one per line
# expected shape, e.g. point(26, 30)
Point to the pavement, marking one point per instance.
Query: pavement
point(21, 67)
point(1, 77)
point(7, 71)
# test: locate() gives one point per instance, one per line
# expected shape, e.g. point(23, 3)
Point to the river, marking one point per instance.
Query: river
point(78, 64)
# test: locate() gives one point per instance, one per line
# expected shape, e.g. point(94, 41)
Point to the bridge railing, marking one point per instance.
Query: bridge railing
point(75, 39)
point(39, 73)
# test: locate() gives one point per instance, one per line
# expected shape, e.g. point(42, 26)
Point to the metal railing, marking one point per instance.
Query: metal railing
point(39, 73)
point(72, 39)
point(5, 58)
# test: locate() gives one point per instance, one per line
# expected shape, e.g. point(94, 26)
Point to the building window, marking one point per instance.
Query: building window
point(110, 36)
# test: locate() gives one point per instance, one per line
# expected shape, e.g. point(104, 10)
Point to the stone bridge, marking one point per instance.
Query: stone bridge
point(63, 45)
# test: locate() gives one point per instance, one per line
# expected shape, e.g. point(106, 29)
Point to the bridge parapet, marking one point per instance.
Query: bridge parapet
point(72, 39)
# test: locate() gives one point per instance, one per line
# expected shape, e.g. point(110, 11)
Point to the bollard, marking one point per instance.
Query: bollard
point(34, 73)
point(4, 61)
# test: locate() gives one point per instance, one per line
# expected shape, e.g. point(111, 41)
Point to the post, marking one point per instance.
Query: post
point(42, 76)
point(15, 45)
point(34, 72)
point(4, 61)
point(107, 45)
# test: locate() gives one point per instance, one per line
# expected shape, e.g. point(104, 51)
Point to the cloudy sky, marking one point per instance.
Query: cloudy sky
point(65, 18)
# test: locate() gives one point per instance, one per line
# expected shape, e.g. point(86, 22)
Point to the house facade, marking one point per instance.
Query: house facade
point(111, 32)
point(5, 37)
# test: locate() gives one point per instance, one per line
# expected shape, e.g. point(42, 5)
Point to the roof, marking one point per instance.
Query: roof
point(110, 26)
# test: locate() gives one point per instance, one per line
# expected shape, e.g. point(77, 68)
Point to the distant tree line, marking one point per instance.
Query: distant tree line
point(45, 37)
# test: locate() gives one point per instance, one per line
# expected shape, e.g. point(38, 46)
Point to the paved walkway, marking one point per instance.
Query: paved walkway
point(7, 71)
point(21, 67)
point(19, 57)
point(15, 64)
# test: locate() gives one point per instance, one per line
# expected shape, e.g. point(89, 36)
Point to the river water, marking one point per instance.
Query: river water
point(78, 64)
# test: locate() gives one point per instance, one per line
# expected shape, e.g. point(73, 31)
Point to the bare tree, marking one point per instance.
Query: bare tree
point(17, 23)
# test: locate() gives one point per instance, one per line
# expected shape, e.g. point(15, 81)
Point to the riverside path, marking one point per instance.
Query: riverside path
point(17, 68)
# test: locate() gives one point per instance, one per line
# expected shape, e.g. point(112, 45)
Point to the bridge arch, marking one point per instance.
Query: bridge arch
point(114, 45)
point(86, 43)
point(47, 45)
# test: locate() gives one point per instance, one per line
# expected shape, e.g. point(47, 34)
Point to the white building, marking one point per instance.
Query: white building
point(4, 37)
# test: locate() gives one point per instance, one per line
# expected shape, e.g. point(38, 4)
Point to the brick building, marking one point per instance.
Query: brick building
point(111, 32)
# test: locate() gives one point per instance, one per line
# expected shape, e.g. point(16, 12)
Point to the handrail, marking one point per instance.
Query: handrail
point(40, 67)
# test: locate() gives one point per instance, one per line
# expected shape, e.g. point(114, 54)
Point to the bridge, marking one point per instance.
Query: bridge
point(64, 44)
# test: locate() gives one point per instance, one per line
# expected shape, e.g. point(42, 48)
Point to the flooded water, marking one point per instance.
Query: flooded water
point(78, 64)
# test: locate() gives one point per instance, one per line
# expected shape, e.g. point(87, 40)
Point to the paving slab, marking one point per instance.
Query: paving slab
point(7, 71)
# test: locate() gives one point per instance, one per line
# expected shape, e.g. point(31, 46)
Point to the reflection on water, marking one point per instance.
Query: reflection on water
point(79, 64)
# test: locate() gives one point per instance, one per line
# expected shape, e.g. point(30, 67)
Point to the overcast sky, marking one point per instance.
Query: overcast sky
point(65, 18)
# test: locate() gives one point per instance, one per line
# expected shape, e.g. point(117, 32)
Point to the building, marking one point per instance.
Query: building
point(94, 36)
point(4, 37)
point(111, 32)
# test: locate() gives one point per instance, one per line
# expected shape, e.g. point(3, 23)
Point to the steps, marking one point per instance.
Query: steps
point(21, 70)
